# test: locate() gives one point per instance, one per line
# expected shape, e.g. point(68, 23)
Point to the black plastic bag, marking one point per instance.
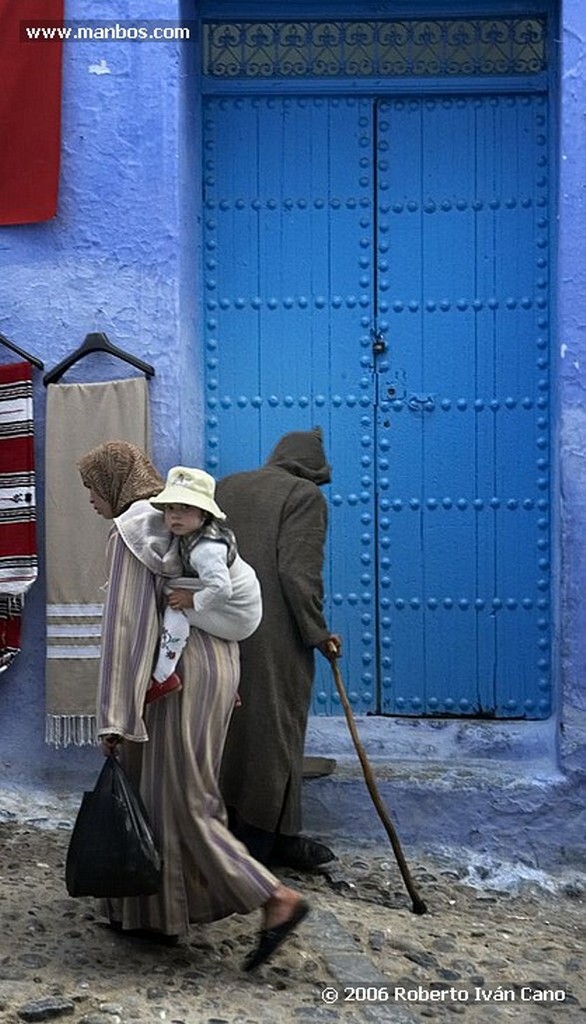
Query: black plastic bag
point(112, 851)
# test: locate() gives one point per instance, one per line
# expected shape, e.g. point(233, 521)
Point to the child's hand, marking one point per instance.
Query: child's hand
point(180, 599)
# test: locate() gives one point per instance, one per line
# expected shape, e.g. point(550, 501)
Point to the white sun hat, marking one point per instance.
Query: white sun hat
point(185, 486)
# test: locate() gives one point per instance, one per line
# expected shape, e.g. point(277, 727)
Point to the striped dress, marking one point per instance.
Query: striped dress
point(172, 752)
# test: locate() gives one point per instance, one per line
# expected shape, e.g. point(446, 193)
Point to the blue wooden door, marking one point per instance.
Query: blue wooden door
point(462, 419)
point(289, 309)
point(379, 268)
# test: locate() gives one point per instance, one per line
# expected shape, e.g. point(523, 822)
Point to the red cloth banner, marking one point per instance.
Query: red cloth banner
point(30, 111)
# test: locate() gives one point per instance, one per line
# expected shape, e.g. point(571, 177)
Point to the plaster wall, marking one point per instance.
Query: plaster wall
point(121, 256)
point(571, 364)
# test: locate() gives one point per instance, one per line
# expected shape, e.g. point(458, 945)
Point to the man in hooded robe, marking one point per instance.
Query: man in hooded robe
point(279, 516)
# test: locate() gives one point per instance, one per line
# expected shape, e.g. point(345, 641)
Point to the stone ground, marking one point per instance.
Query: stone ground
point(498, 943)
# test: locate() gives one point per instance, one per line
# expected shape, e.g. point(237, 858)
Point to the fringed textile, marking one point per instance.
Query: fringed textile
point(64, 730)
point(79, 417)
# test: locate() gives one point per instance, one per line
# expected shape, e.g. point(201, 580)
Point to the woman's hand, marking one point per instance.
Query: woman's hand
point(110, 744)
point(180, 599)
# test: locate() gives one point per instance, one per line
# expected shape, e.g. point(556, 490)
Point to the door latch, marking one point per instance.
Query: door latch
point(418, 403)
point(379, 344)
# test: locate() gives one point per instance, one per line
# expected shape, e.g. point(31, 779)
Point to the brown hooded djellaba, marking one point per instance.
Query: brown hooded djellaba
point(280, 519)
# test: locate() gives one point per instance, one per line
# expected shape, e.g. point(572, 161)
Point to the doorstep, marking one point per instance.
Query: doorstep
point(492, 787)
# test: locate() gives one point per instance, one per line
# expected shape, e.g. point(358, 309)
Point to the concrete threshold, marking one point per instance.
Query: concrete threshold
point(436, 739)
point(492, 787)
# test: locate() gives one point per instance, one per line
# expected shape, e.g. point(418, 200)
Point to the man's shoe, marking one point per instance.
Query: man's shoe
point(300, 852)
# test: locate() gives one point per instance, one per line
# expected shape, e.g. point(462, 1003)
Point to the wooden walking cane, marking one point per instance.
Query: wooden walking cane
point(419, 906)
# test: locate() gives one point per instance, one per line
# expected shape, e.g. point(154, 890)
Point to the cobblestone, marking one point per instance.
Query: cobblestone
point(483, 953)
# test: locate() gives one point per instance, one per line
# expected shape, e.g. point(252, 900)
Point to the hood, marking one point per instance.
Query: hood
point(302, 453)
point(143, 530)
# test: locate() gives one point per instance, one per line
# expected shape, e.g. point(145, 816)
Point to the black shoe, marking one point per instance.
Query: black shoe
point(257, 841)
point(270, 939)
point(300, 852)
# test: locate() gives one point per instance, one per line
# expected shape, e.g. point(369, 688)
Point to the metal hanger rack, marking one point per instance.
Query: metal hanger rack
point(21, 352)
point(97, 342)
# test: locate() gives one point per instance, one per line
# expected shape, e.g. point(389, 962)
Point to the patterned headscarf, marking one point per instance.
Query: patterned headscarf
point(121, 473)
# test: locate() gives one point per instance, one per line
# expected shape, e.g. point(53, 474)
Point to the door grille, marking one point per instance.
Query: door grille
point(366, 49)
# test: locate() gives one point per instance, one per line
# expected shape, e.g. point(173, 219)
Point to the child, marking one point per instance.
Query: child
point(224, 598)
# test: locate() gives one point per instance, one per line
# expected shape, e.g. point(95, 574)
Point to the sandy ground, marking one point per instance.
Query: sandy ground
point(497, 944)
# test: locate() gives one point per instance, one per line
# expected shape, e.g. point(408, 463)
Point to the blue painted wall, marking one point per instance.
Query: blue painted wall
point(122, 257)
point(572, 382)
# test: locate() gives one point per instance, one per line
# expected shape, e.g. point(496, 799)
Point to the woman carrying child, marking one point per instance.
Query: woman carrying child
point(171, 748)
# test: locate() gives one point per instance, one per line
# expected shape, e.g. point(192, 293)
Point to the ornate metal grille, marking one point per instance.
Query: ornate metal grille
point(327, 49)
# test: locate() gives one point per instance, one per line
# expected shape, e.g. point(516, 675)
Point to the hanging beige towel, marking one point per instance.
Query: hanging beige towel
point(80, 416)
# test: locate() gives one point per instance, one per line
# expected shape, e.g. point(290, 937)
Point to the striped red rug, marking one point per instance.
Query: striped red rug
point(18, 551)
